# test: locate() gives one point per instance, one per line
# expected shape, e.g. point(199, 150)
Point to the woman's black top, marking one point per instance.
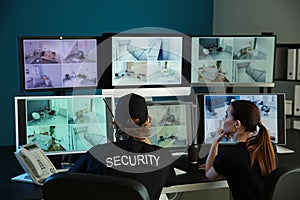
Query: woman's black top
point(245, 181)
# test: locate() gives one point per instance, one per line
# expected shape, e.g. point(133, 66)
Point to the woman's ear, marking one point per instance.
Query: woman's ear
point(237, 124)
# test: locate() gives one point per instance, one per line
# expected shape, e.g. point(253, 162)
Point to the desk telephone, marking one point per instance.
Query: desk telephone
point(35, 163)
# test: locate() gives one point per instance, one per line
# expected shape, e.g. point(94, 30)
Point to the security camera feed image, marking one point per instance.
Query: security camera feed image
point(215, 107)
point(146, 61)
point(233, 59)
point(64, 124)
point(51, 63)
point(171, 124)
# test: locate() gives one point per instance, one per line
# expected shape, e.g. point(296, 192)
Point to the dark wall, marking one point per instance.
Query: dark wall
point(84, 17)
point(36, 106)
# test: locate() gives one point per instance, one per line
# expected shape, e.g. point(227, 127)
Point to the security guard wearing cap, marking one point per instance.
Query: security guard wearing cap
point(132, 155)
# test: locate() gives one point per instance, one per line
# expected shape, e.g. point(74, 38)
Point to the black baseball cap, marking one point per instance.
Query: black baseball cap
point(131, 106)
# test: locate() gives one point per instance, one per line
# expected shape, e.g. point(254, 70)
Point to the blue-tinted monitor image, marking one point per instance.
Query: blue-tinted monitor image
point(215, 107)
point(171, 124)
point(64, 124)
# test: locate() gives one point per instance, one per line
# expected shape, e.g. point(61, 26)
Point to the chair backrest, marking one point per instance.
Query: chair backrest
point(288, 186)
point(92, 186)
point(283, 184)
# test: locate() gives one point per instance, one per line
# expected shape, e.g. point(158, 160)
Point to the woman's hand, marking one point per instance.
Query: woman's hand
point(221, 134)
point(146, 140)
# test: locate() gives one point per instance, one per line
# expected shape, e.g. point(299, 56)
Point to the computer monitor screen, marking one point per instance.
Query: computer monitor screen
point(57, 63)
point(233, 60)
point(144, 61)
point(64, 124)
point(213, 108)
point(172, 125)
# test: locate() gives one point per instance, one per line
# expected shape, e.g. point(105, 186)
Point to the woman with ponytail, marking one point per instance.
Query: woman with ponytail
point(245, 164)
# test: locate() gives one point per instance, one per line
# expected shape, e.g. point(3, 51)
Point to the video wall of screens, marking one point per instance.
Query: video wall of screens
point(64, 124)
point(233, 60)
point(213, 109)
point(144, 60)
point(58, 63)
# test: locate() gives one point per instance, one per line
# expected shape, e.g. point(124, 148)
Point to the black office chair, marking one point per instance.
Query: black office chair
point(92, 186)
point(282, 184)
point(51, 114)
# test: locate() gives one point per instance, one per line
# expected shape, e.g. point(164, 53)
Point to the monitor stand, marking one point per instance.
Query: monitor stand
point(149, 92)
point(59, 93)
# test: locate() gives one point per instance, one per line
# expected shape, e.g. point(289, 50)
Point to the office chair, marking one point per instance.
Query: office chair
point(92, 186)
point(51, 114)
point(36, 116)
point(282, 184)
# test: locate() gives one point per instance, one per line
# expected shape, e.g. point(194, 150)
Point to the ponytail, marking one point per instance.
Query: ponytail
point(259, 145)
point(261, 150)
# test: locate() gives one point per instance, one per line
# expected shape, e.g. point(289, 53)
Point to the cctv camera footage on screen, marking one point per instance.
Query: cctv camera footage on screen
point(215, 107)
point(233, 60)
point(171, 124)
point(146, 61)
point(63, 124)
point(59, 63)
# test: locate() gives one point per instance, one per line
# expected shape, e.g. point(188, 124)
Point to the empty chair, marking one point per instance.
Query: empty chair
point(51, 114)
point(92, 186)
point(282, 184)
point(36, 116)
point(287, 187)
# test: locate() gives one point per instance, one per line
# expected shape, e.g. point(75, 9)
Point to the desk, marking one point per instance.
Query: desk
point(192, 181)
point(195, 187)
point(11, 168)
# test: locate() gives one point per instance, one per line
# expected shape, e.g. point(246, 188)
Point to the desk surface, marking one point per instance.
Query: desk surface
point(191, 181)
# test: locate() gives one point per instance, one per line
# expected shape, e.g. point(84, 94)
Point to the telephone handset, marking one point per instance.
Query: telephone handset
point(35, 163)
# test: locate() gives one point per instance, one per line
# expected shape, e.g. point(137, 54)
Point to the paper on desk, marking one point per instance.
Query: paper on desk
point(23, 178)
point(179, 171)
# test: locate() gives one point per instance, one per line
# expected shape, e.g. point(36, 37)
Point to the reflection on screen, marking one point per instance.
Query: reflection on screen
point(171, 124)
point(216, 106)
point(146, 61)
point(232, 59)
point(56, 63)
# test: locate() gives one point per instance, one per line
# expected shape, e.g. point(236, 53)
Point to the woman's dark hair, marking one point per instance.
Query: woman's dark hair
point(259, 145)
